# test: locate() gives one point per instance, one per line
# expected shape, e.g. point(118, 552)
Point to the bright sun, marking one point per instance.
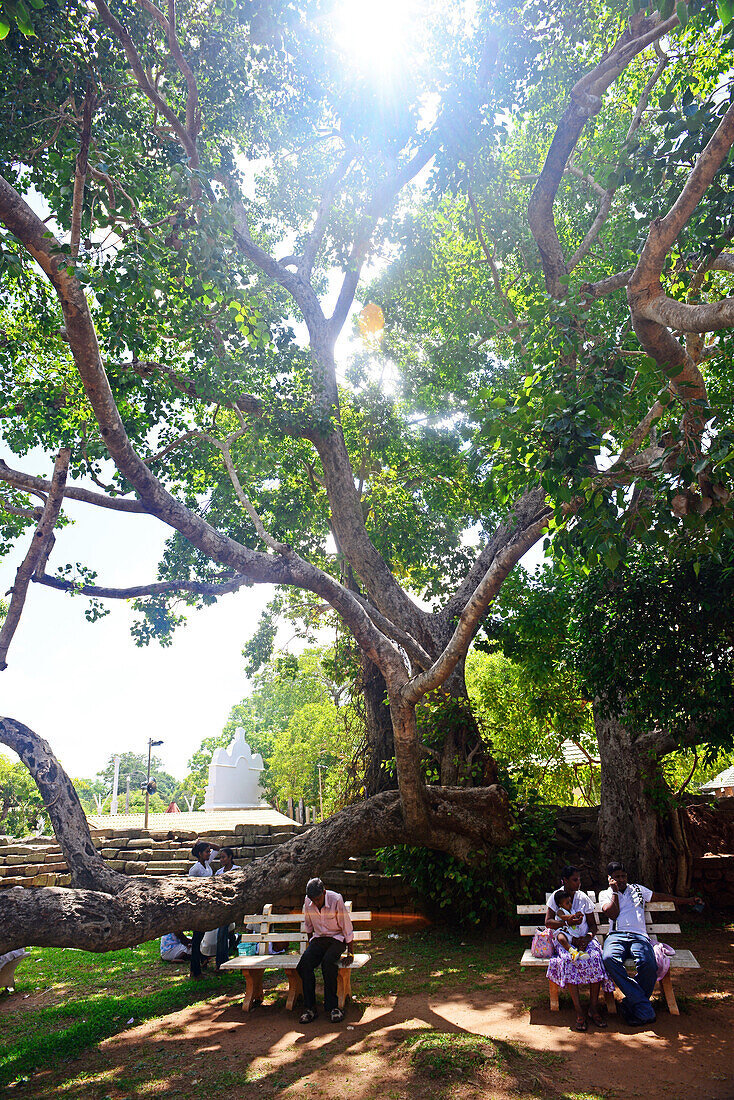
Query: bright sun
point(374, 33)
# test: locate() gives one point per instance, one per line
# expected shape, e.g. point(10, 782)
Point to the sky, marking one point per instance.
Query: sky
point(86, 687)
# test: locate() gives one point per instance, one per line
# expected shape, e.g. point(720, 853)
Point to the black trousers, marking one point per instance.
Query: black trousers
point(327, 951)
point(196, 938)
point(226, 944)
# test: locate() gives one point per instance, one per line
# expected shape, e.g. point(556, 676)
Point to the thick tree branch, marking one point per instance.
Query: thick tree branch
point(257, 567)
point(475, 609)
point(524, 512)
point(68, 819)
point(82, 164)
point(110, 911)
point(585, 103)
point(37, 485)
point(41, 536)
point(316, 235)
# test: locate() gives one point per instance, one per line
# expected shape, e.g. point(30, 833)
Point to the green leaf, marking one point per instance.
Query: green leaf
point(725, 9)
point(4, 28)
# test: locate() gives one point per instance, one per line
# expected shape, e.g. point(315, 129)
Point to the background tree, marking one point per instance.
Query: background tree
point(212, 172)
point(651, 645)
point(297, 716)
point(21, 807)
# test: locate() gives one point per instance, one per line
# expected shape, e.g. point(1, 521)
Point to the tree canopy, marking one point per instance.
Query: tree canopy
point(194, 201)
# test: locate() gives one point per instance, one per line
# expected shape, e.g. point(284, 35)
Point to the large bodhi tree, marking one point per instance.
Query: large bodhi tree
point(180, 187)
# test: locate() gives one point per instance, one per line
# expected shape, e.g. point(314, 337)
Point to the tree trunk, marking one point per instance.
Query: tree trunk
point(380, 740)
point(633, 814)
point(451, 727)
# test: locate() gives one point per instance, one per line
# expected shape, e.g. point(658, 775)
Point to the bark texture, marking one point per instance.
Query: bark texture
point(633, 814)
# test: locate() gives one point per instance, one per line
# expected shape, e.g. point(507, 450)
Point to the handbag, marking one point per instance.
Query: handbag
point(542, 945)
point(663, 954)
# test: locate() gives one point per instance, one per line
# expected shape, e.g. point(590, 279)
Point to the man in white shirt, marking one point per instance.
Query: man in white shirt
point(330, 931)
point(624, 904)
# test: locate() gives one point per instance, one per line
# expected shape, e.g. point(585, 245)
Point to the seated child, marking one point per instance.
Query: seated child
point(574, 929)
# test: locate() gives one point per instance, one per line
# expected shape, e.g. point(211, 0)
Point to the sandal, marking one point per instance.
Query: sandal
point(309, 1015)
point(597, 1019)
point(580, 1024)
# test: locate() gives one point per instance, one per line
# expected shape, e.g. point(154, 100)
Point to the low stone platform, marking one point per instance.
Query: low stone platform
point(198, 822)
point(161, 852)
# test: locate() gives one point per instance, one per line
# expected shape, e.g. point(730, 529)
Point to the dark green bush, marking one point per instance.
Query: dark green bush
point(487, 890)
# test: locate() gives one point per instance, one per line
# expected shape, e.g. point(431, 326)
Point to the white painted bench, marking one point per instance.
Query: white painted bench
point(8, 963)
point(682, 960)
point(289, 928)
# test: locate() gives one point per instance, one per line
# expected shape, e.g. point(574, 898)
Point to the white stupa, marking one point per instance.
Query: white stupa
point(234, 777)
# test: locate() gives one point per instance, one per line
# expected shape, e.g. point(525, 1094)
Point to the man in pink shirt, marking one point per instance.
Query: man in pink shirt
point(329, 932)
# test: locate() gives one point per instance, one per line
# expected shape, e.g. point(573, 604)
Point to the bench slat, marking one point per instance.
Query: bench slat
point(682, 960)
point(281, 962)
point(651, 907)
point(289, 937)
point(295, 918)
point(657, 929)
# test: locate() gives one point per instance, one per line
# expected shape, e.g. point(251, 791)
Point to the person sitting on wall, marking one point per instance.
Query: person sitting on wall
point(329, 930)
point(202, 853)
point(624, 904)
point(226, 941)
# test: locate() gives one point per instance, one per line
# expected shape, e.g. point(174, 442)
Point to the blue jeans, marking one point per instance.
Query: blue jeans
point(618, 946)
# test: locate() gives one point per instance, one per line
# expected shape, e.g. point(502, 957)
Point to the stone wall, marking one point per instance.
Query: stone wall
point(134, 852)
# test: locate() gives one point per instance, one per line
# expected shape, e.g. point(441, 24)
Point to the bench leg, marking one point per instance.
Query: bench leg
point(344, 985)
point(554, 990)
point(611, 1003)
point(667, 987)
point(253, 988)
point(295, 988)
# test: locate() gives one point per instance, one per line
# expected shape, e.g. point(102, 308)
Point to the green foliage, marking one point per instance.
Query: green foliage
point(486, 891)
point(21, 805)
point(525, 714)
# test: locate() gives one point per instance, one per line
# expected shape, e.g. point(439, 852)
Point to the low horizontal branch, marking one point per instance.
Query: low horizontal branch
point(158, 588)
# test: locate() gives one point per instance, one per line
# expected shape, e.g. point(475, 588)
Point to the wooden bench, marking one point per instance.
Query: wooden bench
point(289, 928)
point(682, 960)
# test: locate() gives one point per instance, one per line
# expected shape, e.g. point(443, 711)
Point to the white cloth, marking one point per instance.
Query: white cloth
point(201, 870)
point(172, 949)
point(332, 919)
point(631, 909)
point(581, 903)
point(222, 871)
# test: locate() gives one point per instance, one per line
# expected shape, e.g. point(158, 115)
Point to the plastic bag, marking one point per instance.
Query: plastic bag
point(542, 945)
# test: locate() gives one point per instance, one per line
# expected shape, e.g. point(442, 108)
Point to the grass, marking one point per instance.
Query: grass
point(69, 1001)
point(92, 998)
point(444, 1054)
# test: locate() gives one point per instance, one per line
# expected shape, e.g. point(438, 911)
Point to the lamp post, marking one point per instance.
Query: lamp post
point(321, 793)
point(149, 787)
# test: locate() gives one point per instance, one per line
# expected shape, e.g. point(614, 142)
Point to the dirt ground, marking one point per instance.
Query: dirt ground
point(213, 1051)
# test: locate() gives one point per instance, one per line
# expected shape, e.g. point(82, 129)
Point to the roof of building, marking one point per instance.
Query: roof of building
point(723, 779)
point(198, 821)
